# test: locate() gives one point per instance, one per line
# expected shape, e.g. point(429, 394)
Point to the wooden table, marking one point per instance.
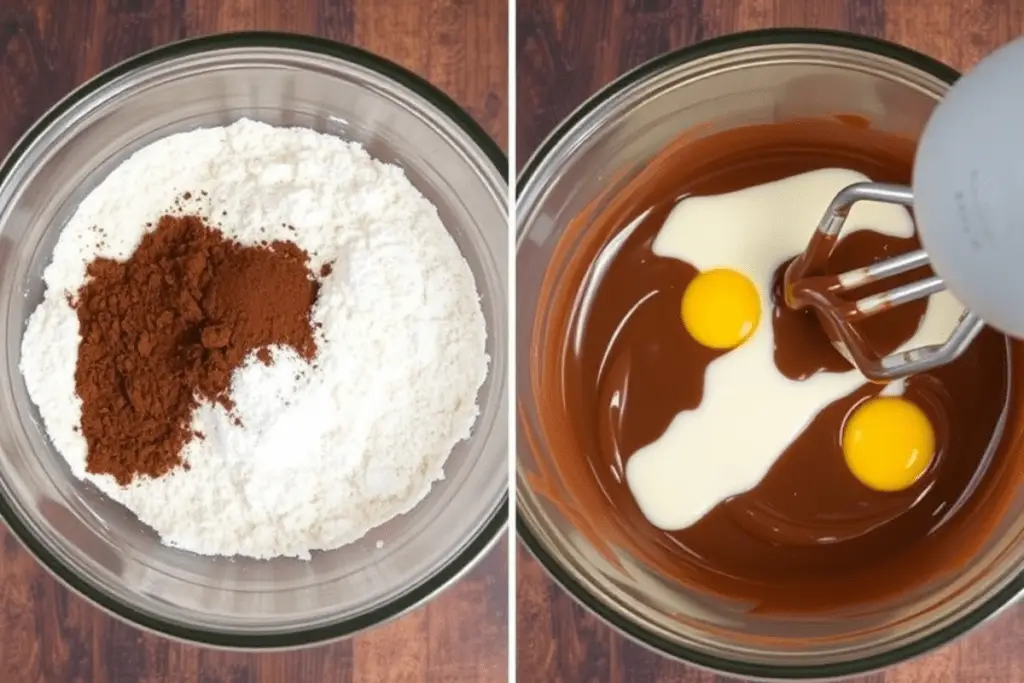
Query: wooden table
point(567, 50)
point(47, 47)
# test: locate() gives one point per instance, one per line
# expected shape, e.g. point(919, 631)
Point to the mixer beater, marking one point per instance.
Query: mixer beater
point(967, 194)
point(807, 285)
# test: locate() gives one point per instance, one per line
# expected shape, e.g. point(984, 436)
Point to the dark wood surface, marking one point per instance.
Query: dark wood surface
point(567, 50)
point(48, 635)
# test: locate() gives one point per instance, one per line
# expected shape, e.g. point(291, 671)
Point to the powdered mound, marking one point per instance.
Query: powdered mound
point(167, 328)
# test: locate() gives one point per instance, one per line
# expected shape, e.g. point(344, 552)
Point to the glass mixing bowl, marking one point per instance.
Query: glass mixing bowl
point(734, 81)
point(98, 547)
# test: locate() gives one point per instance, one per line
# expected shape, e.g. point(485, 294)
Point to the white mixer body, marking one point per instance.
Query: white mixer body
point(968, 184)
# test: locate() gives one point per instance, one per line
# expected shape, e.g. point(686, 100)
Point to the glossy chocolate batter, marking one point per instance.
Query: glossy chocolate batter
point(614, 365)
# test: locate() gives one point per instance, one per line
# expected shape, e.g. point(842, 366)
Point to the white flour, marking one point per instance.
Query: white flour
point(327, 450)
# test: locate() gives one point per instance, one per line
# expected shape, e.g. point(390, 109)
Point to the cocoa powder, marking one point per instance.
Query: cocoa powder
point(167, 328)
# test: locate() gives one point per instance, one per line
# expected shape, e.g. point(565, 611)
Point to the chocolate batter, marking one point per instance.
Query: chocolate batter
point(614, 365)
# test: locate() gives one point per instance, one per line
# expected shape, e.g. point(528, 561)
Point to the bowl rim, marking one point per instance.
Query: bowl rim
point(651, 69)
point(472, 551)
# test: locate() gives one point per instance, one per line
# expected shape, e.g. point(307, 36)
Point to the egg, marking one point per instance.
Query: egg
point(888, 443)
point(750, 412)
point(721, 308)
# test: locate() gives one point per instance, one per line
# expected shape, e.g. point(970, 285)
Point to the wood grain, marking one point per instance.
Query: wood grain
point(566, 51)
point(47, 47)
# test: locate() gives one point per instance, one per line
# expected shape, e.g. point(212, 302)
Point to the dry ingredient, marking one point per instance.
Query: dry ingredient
point(168, 327)
point(301, 436)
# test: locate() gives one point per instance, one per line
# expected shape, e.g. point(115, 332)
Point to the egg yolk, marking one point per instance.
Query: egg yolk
point(721, 308)
point(888, 443)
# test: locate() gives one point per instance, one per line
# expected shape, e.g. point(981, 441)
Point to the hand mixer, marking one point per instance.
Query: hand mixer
point(967, 194)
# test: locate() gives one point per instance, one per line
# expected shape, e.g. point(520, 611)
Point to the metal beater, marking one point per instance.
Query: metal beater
point(968, 199)
point(808, 286)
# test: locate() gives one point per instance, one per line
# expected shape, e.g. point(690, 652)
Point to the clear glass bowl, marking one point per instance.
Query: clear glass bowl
point(733, 81)
point(97, 546)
